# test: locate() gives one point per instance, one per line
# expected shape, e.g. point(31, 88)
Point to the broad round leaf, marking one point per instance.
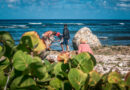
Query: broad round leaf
point(27, 82)
point(38, 70)
point(94, 78)
point(114, 77)
point(77, 78)
point(56, 83)
point(37, 59)
point(127, 79)
point(4, 64)
point(60, 69)
point(2, 51)
point(84, 62)
point(6, 38)
point(22, 82)
point(21, 61)
point(32, 40)
point(3, 80)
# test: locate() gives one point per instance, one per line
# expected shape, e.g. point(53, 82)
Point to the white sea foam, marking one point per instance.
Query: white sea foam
point(14, 26)
point(18, 26)
point(122, 23)
point(71, 23)
point(103, 37)
point(35, 23)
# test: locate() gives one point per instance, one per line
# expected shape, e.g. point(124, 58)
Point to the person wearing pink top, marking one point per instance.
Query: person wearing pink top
point(83, 47)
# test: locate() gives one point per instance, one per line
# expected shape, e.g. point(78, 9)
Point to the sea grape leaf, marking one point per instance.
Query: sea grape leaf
point(27, 82)
point(77, 78)
point(41, 46)
point(56, 83)
point(127, 79)
point(37, 69)
point(2, 51)
point(22, 82)
point(37, 59)
point(7, 41)
point(3, 80)
point(60, 69)
point(84, 62)
point(16, 83)
point(32, 40)
point(4, 64)
point(114, 78)
point(21, 61)
point(94, 78)
point(6, 38)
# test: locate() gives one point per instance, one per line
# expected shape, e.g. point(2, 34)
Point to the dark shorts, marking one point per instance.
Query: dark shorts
point(65, 41)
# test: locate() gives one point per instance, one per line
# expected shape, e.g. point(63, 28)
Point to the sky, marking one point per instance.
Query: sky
point(64, 9)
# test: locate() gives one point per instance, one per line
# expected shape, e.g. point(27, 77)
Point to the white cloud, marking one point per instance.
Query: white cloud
point(10, 6)
point(123, 5)
point(11, 0)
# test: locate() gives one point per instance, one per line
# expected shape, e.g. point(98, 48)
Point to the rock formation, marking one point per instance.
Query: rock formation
point(86, 34)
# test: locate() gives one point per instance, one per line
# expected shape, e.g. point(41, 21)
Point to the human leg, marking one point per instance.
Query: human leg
point(62, 46)
point(66, 43)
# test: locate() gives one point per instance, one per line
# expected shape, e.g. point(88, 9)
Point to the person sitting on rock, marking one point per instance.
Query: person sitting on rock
point(84, 47)
point(48, 38)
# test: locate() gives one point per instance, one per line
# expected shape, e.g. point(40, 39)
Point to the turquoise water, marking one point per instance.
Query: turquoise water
point(110, 32)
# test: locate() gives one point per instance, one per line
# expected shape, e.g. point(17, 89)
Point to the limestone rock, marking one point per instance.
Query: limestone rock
point(86, 34)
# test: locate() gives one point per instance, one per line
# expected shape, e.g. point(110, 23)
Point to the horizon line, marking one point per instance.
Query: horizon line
point(64, 19)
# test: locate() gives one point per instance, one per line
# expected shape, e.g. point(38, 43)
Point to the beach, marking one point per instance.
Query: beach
point(116, 58)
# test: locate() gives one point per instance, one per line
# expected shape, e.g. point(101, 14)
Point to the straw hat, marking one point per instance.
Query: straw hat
point(83, 41)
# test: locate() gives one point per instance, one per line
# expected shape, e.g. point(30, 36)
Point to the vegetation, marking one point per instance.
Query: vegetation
point(21, 68)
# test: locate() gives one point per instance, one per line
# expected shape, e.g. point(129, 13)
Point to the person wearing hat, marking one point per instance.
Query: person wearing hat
point(84, 47)
point(60, 36)
point(48, 38)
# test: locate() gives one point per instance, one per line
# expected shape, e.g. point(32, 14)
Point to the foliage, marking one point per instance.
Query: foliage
point(31, 41)
point(19, 69)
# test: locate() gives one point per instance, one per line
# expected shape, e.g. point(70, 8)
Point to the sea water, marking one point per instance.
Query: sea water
point(109, 32)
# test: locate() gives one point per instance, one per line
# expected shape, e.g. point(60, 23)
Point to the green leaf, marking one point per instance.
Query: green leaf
point(56, 83)
point(21, 61)
point(77, 78)
point(60, 69)
point(4, 64)
point(2, 51)
point(47, 64)
point(31, 40)
point(67, 85)
point(16, 83)
point(8, 43)
point(114, 78)
point(22, 82)
point(36, 59)
point(127, 79)
point(6, 38)
point(3, 80)
point(84, 62)
point(38, 70)
point(27, 82)
point(94, 78)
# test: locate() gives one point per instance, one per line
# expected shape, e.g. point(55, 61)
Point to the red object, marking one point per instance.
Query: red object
point(57, 34)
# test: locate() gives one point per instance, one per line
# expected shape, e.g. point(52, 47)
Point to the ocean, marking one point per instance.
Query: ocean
point(109, 32)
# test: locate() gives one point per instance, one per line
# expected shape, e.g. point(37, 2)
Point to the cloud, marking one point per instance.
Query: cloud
point(11, 0)
point(92, 4)
point(123, 5)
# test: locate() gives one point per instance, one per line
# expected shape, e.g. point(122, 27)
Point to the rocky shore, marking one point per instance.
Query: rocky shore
point(107, 57)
